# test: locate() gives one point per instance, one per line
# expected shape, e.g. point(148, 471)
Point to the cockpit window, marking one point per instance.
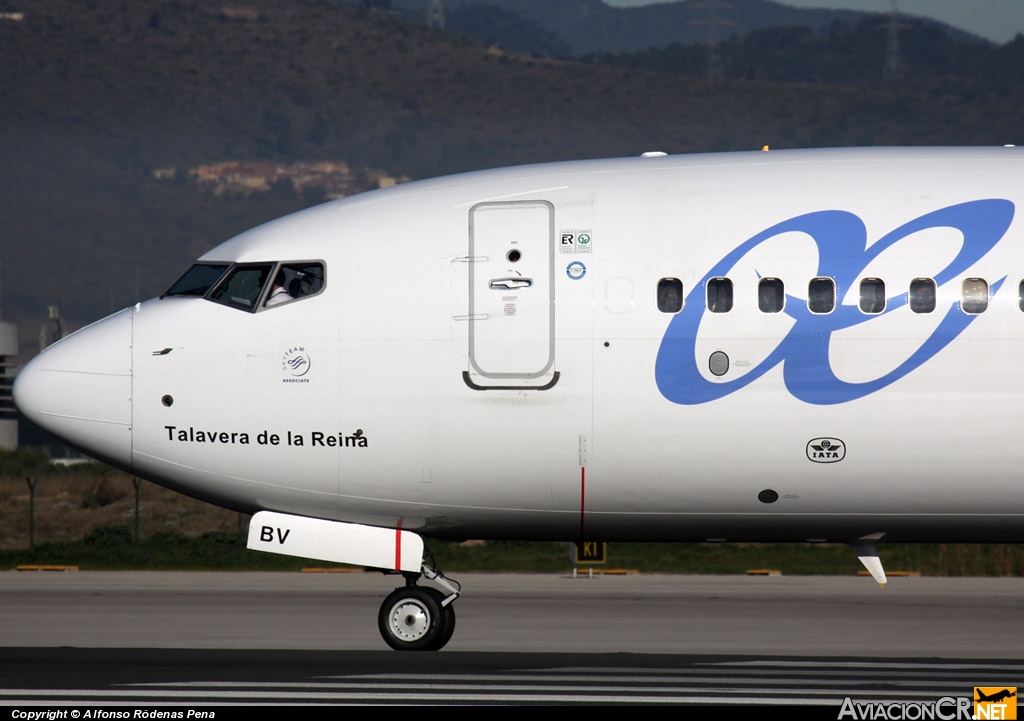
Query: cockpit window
point(295, 280)
point(197, 280)
point(248, 286)
point(243, 285)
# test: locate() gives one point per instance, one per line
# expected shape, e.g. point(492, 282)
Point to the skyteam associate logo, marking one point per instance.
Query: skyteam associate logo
point(843, 255)
point(296, 364)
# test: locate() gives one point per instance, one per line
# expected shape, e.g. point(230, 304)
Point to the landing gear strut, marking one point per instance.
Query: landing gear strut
point(419, 619)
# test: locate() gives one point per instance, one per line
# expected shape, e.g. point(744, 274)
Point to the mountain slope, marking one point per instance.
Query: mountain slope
point(96, 95)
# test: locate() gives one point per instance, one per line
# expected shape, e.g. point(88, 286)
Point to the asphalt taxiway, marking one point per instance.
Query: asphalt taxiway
point(780, 616)
point(211, 639)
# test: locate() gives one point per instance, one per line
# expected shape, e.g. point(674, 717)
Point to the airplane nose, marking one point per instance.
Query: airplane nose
point(80, 389)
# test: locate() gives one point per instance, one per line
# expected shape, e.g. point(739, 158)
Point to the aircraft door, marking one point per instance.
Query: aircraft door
point(511, 296)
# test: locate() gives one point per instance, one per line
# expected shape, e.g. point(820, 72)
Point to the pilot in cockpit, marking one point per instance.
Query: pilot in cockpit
point(278, 292)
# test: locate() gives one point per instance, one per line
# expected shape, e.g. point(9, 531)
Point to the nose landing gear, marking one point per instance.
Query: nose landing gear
point(419, 619)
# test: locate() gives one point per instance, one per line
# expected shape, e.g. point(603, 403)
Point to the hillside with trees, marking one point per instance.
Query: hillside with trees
point(98, 95)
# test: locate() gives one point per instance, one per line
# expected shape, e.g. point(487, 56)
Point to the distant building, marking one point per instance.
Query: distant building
point(336, 179)
point(239, 12)
point(8, 369)
point(52, 330)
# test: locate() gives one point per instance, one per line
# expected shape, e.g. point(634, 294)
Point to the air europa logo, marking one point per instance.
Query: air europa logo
point(844, 254)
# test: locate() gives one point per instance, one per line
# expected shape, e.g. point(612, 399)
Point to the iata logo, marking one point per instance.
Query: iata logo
point(826, 450)
point(844, 254)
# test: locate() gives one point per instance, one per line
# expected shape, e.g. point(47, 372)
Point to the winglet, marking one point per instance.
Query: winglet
point(865, 550)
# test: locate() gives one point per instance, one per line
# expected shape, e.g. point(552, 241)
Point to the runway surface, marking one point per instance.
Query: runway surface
point(202, 638)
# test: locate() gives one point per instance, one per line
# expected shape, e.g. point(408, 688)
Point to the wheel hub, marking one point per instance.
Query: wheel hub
point(409, 621)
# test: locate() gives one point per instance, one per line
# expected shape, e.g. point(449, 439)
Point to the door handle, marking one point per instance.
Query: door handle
point(509, 283)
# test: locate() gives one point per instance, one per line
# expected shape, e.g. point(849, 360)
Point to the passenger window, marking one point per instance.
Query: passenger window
point(821, 295)
point(719, 295)
point(922, 295)
point(872, 295)
point(771, 295)
point(974, 295)
point(197, 280)
point(1020, 295)
point(241, 288)
point(670, 295)
point(295, 280)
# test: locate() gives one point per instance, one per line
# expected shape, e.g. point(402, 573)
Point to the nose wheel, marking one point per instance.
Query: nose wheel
point(418, 619)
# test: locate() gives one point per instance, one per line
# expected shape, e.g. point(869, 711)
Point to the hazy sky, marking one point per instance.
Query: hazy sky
point(998, 20)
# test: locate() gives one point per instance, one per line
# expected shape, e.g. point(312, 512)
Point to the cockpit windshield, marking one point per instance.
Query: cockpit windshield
point(251, 286)
point(295, 280)
point(197, 280)
point(243, 285)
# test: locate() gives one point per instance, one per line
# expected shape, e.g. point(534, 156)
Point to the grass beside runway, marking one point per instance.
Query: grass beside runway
point(114, 548)
point(86, 516)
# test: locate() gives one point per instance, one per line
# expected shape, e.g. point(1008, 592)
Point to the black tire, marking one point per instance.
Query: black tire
point(449, 618)
point(411, 619)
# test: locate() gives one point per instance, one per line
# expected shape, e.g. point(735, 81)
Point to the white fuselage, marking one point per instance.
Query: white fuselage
point(440, 383)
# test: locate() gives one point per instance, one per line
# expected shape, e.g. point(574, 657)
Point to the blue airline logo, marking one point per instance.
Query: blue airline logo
point(843, 255)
